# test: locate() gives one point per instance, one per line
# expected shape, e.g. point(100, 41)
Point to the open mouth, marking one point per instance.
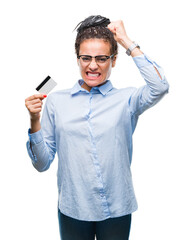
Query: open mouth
point(93, 75)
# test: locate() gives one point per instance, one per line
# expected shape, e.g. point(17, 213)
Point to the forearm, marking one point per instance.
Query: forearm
point(35, 125)
point(41, 145)
point(41, 158)
point(156, 84)
point(40, 153)
point(126, 42)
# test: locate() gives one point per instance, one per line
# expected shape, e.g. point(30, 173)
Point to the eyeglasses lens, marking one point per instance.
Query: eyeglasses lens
point(99, 59)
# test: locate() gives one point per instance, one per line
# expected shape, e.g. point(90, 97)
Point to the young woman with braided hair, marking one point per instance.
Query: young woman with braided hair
point(90, 126)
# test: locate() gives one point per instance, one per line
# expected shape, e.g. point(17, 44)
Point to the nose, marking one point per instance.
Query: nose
point(93, 65)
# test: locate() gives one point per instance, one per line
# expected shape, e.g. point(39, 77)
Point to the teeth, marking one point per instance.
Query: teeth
point(93, 74)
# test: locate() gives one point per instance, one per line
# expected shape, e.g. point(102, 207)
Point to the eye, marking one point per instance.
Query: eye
point(86, 58)
point(101, 59)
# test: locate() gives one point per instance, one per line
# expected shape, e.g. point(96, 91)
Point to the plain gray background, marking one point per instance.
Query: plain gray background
point(37, 40)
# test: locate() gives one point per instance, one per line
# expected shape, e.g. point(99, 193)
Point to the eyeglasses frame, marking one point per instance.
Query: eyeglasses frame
point(108, 57)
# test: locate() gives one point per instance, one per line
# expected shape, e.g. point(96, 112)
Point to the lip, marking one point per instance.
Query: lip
point(93, 75)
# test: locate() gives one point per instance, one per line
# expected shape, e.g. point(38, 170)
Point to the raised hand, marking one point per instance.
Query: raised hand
point(34, 105)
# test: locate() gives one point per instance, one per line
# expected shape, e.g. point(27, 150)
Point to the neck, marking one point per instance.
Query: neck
point(85, 86)
point(88, 88)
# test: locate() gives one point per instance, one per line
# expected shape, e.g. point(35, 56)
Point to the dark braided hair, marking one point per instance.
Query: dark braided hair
point(95, 27)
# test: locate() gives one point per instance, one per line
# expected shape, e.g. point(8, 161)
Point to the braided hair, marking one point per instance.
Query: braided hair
point(95, 27)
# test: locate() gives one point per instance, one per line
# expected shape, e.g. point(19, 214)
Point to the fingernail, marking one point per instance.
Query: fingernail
point(44, 96)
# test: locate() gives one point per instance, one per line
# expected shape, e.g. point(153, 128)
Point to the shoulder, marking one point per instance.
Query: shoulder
point(127, 91)
point(59, 93)
point(56, 96)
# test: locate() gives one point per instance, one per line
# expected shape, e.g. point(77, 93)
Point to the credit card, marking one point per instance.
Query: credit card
point(46, 85)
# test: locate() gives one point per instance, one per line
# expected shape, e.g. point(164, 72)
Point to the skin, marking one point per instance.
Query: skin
point(34, 105)
point(91, 47)
point(120, 35)
point(92, 73)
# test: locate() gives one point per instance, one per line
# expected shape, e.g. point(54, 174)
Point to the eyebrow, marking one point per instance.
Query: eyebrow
point(102, 55)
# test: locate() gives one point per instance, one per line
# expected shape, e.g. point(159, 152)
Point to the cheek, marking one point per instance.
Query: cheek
point(108, 70)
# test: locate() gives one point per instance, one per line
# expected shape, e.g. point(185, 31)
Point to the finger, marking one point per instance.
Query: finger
point(34, 109)
point(110, 25)
point(36, 96)
point(113, 30)
point(32, 102)
point(37, 105)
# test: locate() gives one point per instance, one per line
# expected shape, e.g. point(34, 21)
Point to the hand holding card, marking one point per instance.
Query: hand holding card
point(46, 86)
point(34, 103)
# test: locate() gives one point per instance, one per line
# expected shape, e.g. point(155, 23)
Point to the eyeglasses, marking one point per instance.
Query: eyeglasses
point(100, 59)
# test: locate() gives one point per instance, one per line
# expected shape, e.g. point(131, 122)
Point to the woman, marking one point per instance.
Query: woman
point(90, 126)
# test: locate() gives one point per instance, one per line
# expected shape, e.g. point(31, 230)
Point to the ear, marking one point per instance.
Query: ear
point(114, 61)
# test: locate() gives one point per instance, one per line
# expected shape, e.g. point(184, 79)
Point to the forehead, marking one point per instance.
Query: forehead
point(95, 46)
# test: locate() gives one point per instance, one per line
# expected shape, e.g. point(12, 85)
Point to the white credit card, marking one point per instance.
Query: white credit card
point(46, 86)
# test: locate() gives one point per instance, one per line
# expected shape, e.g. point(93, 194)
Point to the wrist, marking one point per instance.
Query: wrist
point(35, 125)
point(35, 117)
point(126, 42)
point(134, 50)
